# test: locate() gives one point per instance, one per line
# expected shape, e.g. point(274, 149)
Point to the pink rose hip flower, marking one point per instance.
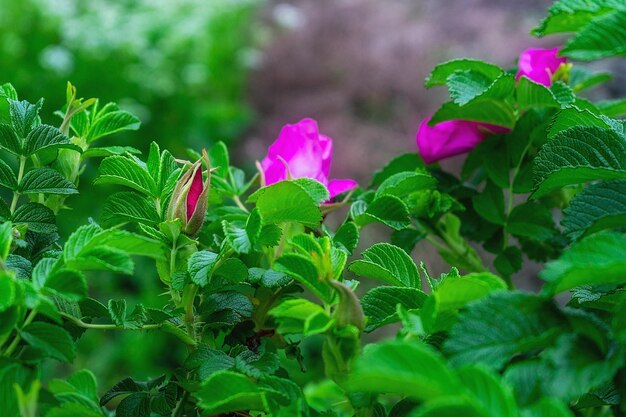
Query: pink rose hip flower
point(451, 138)
point(539, 65)
point(300, 151)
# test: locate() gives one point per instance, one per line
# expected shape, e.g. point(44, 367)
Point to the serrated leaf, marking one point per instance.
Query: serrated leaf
point(578, 155)
point(494, 329)
point(126, 171)
point(534, 95)
point(387, 209)
point(571, 15)
point(403, 183)
point(109, 151)
point(599, 206)
point(226, 391)
point(286, 201)
point(300, 316)
point(531, 220)
point(492, 111)
point(9, 139)
point(68, 283)
point(53, 340)
point(7, 176)
point(45, 137)
point(490, 204)
point(200, 266)
point(380, 304)
point(208, 361)
point(572, 116)
point(46, 181)
point(603, 37)
point(347, 237)
point(402, 163)
point(126, 207)
point(389, 264)
point(493, 398)
point(455, 292)
point(110, 122)
point(467, 86)
point(302, 269)
point(268, 278)
point(38, 217)
point(613, 108)
point(598, 259)
point(439, 75)
point(404, 368)
point(24, 115)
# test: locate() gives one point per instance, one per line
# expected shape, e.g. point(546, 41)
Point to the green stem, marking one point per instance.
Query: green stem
point(239, 204)
point(20, 174)
point(189, 296)
point(17, 338)
point(84, 325)
point(180, 407)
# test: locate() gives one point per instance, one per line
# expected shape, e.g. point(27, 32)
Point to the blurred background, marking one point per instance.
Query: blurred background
point(198, 71)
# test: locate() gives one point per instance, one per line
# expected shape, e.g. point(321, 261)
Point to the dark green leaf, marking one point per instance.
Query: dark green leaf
point(389, 264)
point(53, 340)
point(47, 181)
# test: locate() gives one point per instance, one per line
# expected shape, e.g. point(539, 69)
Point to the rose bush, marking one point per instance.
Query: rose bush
point(260, 296)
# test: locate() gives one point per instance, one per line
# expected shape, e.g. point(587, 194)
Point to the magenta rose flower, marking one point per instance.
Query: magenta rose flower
point(302, 152)
point(452, 137)
point(539, 64)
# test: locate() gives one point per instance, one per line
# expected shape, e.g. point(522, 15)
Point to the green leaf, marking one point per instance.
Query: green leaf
point(598, 259)
point(46, 181)
point(492, 111)
point(534, 95)
point(402, 163)
point(117, 311)
point(302, 269)
point(467, 86)
point(441, 73)
point(110, 120)
point(315, 189)
point(243, 239)
point(578, 155)
point(67, 283)
point(567, 118)
point(386, 209)
point(124, 207)
point(404, 183)
point(128, 172)
point(24, 115)
point(286, 201)
point(547, 407)
point(135, 405)
point(7, 291)
point(603, 37)
point(455, 292)
point(7, 176)
point(9, 139)
point(53, 340)
point(45, 137)
point(347, 237)
point(403, 368)
point(38, 217)
point(218, 155)
point(389, 264)
point(268, 278)
point(225, 392)
point(612, 108)
point(492, 396)
point(531, 220)
point(300, 316)
point(494, 329)
point(380, 304)
point(582, 79)
point(200, 266)
point(599, 206)
point(571, 15)
point(109, 151)
point(233, 270)
point(208, 361)
point(490, 204)
point(125, 386)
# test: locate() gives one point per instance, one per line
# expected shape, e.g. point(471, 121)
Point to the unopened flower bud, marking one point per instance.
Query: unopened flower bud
point(348, 311)
point(190, 197)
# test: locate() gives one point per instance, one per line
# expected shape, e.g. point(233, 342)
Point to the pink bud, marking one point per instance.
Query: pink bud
point(539, 64)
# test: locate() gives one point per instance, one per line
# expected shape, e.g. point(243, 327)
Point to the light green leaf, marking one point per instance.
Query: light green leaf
point(347, 237)
point(302, 269)
point(45, 137)
point(598, 259)
point(403, 368)
point(547, 407)
point(225, 392)
point(128, 172)
point(9, 139)
point(200, 266)
point(494, 329)
point(603, 37)
point(572, 116)
point(67, 283)
point(38, 217)
point(110, 120)
point(439, 75)
point(380, 304)
point(493, 111)
point(612, 108)
point(404, 183)
point(455, 292)
point(124, 207)
point(572, 15)
point(599, 206)
point(7, 176)
point(387, 209)
point(491, 396)
point(286, 201)
point(109, 151)
point(467, 86)
point(300, 316)
point(405, 162)
point(7, 291)
point(389, 264)
point(53, 340)
point(534, 95)
point(578, 155)
point(46, 181)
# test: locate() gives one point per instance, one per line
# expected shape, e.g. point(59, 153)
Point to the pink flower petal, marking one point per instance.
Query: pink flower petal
point(539, 64)
point(336, 187)
point(194, 193)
